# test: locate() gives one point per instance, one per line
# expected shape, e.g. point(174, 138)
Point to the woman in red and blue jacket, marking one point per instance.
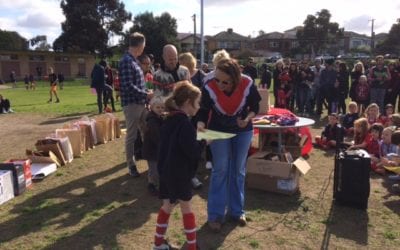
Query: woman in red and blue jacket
point(229, 102)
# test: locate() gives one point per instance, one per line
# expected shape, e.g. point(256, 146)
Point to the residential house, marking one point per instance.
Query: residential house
point(276, 42)
point(37, 62)
point(232, 42)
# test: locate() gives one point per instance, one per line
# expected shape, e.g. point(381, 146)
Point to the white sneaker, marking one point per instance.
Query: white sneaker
point(10, 110)
point(196, 184)
point(208, 165)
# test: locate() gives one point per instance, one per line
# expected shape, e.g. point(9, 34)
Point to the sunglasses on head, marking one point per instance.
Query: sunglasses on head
point(219, 81)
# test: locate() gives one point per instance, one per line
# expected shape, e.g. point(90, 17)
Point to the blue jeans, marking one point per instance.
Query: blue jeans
point(228, 176)
point(377, 95)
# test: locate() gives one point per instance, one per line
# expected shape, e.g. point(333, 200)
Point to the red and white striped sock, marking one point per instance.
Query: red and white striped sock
point(161, 227)
point(189, 224)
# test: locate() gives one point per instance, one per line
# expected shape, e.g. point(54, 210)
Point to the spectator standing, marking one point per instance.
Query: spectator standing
point(393, 85)
point(170, 72)
point(266, 77)
point(53, 85)
point(133, 95)
point(379, 76)
point(61, 80)
point(250, 70)
point(342, 87)
point(98, 83)
point(116, 86)
point(275, 74)
point(306, 77)
point(26, 81)
point(32, 82)
point(315, 89)
point(357, 71)
point(233, 100)
point(327, 84)
point(196, 75)
point(13, 79)
point(108, 87)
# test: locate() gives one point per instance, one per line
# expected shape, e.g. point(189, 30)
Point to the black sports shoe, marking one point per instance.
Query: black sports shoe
point(133, 171)
point(152, 189)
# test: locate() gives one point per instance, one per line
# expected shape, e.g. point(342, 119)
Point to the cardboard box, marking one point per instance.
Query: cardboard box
point(275, 176)
point(264, 103)
point(26, 163)
point(6, 186)
point(42, 157)
point(18, 176)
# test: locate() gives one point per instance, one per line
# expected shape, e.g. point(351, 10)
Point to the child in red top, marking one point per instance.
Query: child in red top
point(284, 91)
point(361, 93)
point(116, 86)
point(373, 147)
point(361, 135)
point(389, 110)
point(372, 114)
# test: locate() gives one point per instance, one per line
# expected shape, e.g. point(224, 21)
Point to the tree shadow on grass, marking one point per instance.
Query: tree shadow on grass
point(345, 222)
point(118, 205)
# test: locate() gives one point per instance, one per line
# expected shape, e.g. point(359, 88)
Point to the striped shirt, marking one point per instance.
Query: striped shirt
point(132, 88)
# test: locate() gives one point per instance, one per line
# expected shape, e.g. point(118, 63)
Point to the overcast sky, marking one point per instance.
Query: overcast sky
point(43, 17)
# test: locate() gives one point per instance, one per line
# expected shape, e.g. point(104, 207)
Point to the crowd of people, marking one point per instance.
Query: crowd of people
point(306, 89)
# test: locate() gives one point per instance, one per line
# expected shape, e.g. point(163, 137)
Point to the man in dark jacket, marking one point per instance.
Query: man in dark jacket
point(98, 82)
point(250, 70)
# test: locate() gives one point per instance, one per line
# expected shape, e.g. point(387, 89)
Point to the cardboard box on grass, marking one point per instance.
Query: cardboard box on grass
point(42, 157)
point(26, 163)
point(6, 186)
point(275, 176)
point(18, 176)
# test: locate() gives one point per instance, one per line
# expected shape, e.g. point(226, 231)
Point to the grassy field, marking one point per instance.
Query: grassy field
point(93, 204)
point(76, 98)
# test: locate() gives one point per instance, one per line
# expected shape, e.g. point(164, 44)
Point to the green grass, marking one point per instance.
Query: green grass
point(75, 99)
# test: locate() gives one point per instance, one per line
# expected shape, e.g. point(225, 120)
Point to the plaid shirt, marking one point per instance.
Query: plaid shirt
point(132, 88)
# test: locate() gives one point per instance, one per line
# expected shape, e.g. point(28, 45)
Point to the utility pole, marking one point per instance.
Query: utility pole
point(194, 36)
point(372, 36)
point(202, 31)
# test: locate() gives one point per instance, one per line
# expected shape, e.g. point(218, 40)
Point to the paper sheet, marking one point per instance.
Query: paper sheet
point(213, 135)
point(41, 170)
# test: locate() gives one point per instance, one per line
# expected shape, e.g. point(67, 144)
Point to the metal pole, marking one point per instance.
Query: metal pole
point(194, 36)
point(372, 36)
point(202, 31)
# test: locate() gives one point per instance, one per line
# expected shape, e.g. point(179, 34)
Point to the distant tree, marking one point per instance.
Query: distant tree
point(159, 31)
point(261, 32)
point(11, 40)
point(89, 25)
point(40, 43)
point(318, 32)
point(392, 43)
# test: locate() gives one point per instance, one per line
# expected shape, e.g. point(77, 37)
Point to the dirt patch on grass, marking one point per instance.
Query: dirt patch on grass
point(93, 204)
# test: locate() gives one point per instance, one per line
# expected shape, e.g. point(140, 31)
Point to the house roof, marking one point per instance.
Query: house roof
point(230, 35)
point(182, 36)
